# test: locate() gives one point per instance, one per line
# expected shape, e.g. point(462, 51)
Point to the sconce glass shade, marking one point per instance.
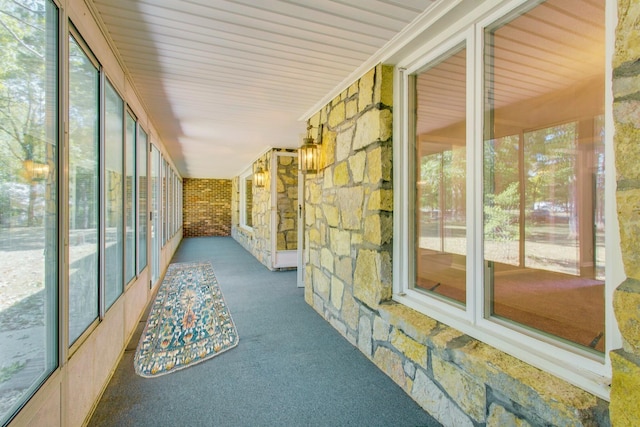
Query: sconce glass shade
point(34, 171)
point(309, 157)
point(259, 177)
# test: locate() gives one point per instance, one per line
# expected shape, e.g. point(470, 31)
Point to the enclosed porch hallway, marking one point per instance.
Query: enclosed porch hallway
point(291, 367)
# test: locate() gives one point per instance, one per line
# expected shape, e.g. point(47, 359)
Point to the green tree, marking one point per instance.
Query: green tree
point(24, 153)
point(550, 156)
point(501, 189)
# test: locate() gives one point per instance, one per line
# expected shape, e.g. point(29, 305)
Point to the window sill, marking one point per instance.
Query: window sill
point(246, 229)
point(489, 364)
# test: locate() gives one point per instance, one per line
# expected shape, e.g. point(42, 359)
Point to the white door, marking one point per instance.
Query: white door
point(301, 241)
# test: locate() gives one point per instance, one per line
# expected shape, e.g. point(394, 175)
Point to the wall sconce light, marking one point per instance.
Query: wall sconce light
point(309, 153)
point(34, 171)
point(259, 177)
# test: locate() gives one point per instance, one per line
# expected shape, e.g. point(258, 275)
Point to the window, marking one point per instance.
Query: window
point(113, 195)
point(164, 200)
point(169, 222)
point(83, 189)
point(172, 203)
point(143, 198)
point(176, 203)
point(179, 205)
point(503, 125)
point(90, 237)
point(246, 199)
point(440, 132)
point(28, 200)
point(130, 199)
point(156, 211)
point(169, 201)
point(544, 255)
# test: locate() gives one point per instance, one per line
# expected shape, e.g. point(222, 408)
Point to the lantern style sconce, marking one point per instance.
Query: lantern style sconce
point(34, 171)
point(309, 153)
point(260, 177)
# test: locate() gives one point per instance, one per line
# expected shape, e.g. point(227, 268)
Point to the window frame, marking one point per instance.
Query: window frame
point(164, 200)
point(73, 344)
point(107, 84)
point(579, 367)
point(133, 157)
point(143, 222)
point(444, 51)
point(52, 344)
point(242, 184)
point(154, 233)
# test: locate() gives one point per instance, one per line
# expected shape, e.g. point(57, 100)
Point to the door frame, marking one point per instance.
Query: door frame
point(301, 223)
point(286, 258)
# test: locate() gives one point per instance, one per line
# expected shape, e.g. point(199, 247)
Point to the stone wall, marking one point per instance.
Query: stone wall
point(287, 203)
point(206, 209)
point(348, 221)
point(625, 389)
point(348, 280)
point(256, 239)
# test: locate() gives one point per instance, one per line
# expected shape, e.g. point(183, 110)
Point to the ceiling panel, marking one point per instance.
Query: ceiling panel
point(541, 59)
point(225, 79)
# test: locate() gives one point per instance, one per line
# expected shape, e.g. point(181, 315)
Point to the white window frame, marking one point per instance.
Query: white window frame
point(242, 184)
point(581, 368)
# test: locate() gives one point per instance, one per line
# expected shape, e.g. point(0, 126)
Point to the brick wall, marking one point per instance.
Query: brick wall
point(206, 207)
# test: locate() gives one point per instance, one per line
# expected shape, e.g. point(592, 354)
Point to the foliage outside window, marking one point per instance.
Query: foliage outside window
point(544, 174)
point(164, 200)
point(506, 141)
point(113, 195)
point(130, 199)
point(28, 199)
point(83, 190)
point(142, 150)
point(156, 211)
point(441, 184)
point(246, 199)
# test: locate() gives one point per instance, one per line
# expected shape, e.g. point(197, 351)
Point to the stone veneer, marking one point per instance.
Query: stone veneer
point(625, 389)
point(348, 280)
point(257, 239)
point(287, 203)
point(206, 209)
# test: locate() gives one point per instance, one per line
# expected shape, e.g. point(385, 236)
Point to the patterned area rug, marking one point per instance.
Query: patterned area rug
point(188, 323)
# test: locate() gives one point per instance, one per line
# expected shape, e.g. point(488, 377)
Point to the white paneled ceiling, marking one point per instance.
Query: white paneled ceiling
point(225, 79)
point(557, 46)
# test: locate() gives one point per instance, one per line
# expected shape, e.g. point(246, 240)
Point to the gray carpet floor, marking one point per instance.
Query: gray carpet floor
point(291, 368)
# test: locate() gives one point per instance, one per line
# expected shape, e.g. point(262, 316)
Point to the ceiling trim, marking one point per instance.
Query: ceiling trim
point(393, 46)
point(256, 158)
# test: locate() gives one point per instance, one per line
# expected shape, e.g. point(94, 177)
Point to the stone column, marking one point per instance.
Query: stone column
point(625, 389)
point(349, 203)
